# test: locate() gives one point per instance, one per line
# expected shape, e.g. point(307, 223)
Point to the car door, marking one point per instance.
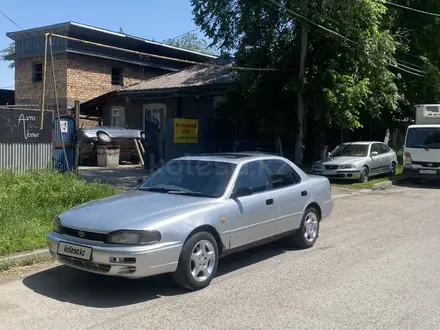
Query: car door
point(290, 194)
point(376, 160)
point(386, 156)
point(253, 216)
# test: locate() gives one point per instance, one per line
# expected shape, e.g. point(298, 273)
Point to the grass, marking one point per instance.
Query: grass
point(370, 183)
point(29, 202)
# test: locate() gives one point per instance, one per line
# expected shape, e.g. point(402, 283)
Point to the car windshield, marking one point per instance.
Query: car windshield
point(191, 177)
point(350, 150)
point(423, 138)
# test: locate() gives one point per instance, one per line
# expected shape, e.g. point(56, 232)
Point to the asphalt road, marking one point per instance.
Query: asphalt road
point(376, 265)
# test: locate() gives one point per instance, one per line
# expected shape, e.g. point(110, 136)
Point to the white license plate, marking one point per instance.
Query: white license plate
point(74, 251)
point(428, 172)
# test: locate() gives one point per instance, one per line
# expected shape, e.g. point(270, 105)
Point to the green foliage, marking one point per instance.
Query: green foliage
point(10, 50)
point(29, 202)
point(345, 78)
point(192, 42)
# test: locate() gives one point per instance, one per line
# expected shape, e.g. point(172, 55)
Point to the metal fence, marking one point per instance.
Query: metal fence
point(23, 145)
point(22, 157)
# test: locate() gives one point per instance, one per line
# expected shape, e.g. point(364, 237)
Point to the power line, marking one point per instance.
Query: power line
point(412, 9)
point(401, 67)
point(269, 2)
point(206, 64)
point(10, 19)
point(182, 35)
point(405, 70)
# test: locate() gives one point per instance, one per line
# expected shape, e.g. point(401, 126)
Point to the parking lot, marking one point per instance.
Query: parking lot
point(374, 266)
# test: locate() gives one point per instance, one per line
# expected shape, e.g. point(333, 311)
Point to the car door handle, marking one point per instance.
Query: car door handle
point(304, 193)
point(269, 201)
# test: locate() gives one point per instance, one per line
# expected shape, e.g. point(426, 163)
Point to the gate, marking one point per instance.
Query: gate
point(67, 133)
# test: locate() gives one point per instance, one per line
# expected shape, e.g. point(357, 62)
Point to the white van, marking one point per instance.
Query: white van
point(421, 158)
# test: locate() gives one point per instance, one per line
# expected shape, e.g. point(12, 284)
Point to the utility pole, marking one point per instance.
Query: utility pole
point(77, 142)
point(300, 111)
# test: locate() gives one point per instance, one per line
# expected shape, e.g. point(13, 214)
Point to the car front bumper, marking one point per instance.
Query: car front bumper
point(426, 174)
point(123, 261)
point(347, 174)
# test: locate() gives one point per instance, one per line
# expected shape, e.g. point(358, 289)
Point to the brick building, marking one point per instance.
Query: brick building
point(83, 71)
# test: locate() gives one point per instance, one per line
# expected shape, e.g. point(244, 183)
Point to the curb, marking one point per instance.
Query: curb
point(381, 185)
point(386, 184)
point(25, 258)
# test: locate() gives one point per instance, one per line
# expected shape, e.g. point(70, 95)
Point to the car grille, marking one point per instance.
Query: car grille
point(427, 164)
point(86, 265)
point(88, 235)
point(331, 167)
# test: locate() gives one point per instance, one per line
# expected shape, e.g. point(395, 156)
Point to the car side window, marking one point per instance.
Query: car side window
point(375, 147)
point(253, 175)
point(384, 149)
point(281, 174)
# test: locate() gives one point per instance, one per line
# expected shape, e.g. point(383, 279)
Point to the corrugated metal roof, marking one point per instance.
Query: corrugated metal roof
point(65, 26)
point(197, 75)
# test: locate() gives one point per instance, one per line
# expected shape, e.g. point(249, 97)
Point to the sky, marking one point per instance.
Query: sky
point(150, 19)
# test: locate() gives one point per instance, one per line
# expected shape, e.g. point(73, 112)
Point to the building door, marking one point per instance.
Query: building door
point(156, 113)
point(118, 116)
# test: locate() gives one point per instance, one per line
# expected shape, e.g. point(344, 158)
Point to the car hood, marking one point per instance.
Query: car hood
point(130, 210)
point(341, 160)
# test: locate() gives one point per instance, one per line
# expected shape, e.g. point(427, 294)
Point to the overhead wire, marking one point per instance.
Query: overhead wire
point(412, 9)
point(269, 2)
point(10, 19)
point(317, 25)
point(184, 34)
point(206, 64)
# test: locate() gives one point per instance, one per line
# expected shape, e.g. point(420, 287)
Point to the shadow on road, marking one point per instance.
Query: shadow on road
point(65, 284)
point(420, 184)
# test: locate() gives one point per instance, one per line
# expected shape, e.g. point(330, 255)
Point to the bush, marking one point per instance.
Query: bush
point(29, 202)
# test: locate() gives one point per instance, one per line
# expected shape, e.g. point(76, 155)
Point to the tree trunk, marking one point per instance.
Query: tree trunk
point(300, 111)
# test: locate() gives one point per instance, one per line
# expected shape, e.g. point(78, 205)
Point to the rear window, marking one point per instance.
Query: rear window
point(422, 137)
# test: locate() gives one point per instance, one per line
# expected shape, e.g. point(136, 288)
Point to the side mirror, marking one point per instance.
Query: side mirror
point(139, 181)
point(243, 191)
point(374, 153)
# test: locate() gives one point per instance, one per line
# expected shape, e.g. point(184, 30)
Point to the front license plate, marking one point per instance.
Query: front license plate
point(74, 251)
point(428, 172)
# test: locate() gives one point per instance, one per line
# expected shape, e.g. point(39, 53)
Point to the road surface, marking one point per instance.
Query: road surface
point(376, 265)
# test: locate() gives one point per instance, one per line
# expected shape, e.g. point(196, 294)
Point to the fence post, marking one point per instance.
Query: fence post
point(77, 142)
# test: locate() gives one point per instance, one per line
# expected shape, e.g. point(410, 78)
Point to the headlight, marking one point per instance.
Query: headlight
point(134, 237)
point(318, 166)
point(348, 166)
point(56, 226)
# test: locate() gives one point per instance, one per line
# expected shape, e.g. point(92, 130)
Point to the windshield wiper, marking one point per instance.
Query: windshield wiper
point(160, 190)
point(193, 193)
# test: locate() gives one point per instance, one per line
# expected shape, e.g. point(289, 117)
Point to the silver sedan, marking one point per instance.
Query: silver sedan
point(189, 213)
point(358, 161)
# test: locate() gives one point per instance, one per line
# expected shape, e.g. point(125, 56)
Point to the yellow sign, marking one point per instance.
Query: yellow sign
point(186, 130)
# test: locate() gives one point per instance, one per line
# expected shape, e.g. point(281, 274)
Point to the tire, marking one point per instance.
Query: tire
point(300, 240)
point(208, 260)
point(393, 169)
point(364, 175)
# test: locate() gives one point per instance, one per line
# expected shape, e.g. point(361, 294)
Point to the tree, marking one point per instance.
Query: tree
point(192, 42)
point(417, 52)
point(346, 67)
point(5, 52)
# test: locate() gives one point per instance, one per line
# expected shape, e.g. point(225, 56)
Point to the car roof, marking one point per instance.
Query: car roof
point(231, 157)
point(361, 142)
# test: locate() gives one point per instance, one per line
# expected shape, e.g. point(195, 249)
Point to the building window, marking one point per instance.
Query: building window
point(37, 72)
point(117, 77)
